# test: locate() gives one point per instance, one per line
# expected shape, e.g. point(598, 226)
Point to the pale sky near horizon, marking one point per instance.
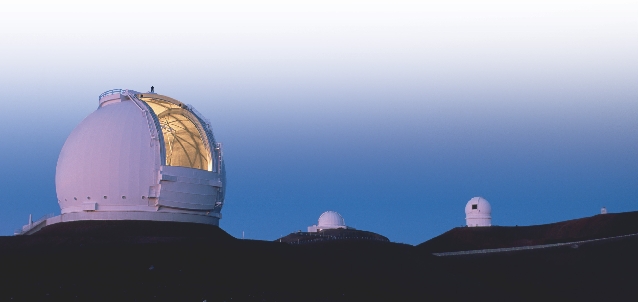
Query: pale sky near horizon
point(392, 113)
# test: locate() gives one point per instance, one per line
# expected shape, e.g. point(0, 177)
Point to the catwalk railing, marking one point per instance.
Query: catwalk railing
point(108, 92)
point(30, 226)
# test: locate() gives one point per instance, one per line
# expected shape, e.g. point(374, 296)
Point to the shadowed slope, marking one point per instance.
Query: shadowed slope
point(593, 271)
point(599, 226)
point(144, 261)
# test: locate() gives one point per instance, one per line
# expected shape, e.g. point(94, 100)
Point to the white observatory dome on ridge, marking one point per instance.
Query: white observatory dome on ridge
point(478, 212)
point(140, 156)
point(329, 220)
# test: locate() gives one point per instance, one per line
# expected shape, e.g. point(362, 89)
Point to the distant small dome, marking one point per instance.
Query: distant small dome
point(331, 219)
point(478, 212)
point(478, 205)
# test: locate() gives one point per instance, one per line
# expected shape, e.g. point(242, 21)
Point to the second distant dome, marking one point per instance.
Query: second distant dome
point(329, 220)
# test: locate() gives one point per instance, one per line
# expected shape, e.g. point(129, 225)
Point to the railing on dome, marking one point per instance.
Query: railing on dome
point(109, 92)
point(46, 216)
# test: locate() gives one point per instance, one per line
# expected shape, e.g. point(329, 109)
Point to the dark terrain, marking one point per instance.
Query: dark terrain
point(142, 260)
point(147, 261)
point(599, 226)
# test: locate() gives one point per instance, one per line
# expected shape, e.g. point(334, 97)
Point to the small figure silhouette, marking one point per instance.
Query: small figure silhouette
point(152, 89)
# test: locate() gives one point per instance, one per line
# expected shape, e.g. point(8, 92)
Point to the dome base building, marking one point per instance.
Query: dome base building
point(139, 156)
point(330, 227)
point(329, 220)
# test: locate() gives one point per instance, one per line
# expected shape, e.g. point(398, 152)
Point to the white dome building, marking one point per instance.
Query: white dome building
point(329, 220)
point(139, 156)
point(478, 212)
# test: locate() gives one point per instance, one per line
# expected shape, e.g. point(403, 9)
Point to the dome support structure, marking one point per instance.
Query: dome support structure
point(329, 220)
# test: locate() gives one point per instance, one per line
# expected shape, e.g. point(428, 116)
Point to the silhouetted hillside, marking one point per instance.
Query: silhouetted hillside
point(146, 261)
point(163, 261)
point(593, 271)
point(475, 238)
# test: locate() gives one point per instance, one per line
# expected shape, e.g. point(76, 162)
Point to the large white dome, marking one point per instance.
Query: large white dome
point(331, 219)
point(478, 212)
point(141, 153)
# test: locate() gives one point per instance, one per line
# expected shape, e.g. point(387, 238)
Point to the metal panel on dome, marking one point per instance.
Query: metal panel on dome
point(189, 188)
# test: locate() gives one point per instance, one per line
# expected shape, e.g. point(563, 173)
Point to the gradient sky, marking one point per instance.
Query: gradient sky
point(392, 113)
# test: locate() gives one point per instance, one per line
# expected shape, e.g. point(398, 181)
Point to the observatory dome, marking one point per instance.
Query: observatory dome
point(478, 212)
point(329, 220)
point(141, 156)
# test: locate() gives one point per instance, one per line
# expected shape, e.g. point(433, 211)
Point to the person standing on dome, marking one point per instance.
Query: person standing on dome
point(152, 89)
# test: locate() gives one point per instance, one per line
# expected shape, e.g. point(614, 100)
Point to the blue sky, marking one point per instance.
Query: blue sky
point(394, 114)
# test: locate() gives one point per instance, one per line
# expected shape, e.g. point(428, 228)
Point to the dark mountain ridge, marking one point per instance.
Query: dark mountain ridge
point(476, 238)
point(167, 261)
point(145, 261)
